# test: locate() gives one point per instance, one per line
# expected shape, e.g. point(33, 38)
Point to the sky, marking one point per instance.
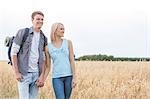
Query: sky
point(113, 27)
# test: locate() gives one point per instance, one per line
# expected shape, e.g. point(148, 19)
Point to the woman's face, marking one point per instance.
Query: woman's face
point(60, 30)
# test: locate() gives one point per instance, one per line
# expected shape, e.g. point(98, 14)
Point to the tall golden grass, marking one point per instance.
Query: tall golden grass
point(95, 80)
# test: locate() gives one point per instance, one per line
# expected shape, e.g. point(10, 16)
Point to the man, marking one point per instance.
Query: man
point(29, 59)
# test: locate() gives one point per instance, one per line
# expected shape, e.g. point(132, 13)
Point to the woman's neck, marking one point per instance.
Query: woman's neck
point(58, 39)
point(58, 42)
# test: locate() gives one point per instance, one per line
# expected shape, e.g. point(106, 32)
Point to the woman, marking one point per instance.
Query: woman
point(63, 71)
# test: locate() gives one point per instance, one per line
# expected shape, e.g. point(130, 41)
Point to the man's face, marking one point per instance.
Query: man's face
point(37, 21)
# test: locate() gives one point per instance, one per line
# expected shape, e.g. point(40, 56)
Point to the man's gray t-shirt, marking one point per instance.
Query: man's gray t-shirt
point(34, 53)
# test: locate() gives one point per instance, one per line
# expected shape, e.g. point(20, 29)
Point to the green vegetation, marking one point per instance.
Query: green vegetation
point(109, 58)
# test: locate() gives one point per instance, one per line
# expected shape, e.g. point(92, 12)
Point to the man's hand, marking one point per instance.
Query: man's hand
point(18, 76)
point(40, 81)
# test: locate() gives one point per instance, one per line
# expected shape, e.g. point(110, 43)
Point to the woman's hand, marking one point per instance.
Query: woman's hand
point(73, 82)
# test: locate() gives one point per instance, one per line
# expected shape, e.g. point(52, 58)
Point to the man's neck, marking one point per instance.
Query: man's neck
point(36, 29)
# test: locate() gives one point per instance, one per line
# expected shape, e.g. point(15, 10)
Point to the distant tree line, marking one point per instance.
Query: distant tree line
point(109, 58)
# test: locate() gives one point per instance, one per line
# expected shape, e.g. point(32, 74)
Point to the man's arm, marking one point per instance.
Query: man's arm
point(45, 69)
point(14, 51)
point(48, 63)
point(40, 81)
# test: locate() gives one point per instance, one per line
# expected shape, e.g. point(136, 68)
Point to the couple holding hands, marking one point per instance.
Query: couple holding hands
point(32, 60)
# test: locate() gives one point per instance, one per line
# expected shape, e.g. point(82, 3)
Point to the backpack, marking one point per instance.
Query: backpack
point(9, 42)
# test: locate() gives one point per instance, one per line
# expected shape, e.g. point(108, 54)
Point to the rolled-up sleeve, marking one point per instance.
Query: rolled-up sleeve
point(15, 49)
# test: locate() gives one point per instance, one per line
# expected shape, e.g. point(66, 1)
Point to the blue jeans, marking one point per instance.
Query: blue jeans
point(27, 87)
point(62, 87)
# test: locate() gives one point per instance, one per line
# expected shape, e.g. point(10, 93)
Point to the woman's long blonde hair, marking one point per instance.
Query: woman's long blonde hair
point(53, 30)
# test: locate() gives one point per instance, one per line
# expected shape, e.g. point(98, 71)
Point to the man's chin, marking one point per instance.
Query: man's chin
point(39, 27)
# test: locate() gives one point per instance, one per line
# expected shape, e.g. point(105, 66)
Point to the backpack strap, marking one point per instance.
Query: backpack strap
point(24, 38)
point(45, 40)
point(25, 35)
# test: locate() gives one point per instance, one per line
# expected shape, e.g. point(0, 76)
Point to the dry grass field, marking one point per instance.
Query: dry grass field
point(95, 80)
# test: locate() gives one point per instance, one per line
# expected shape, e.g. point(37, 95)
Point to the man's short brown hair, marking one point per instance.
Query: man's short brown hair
point(37, 12)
